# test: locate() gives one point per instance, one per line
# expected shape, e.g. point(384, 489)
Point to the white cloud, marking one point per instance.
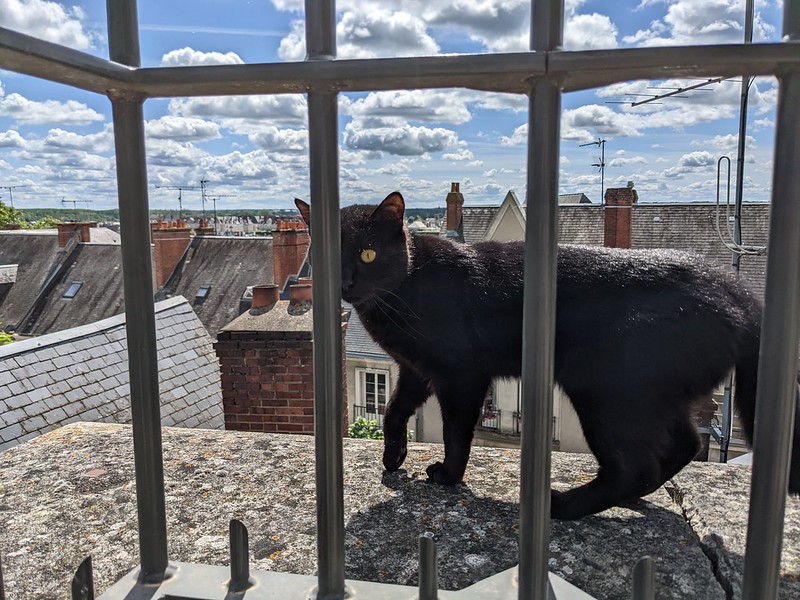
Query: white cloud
point(289, 108)
point(402, 139)
point(624, 161)
point(71, 112)
point(282, 140)
point(520, 136)
point(587, 122)
point(706, 22)
point(182, 129)
point(589, 32)
point(69, 140)
point(47, 20)
point(190, 57)
point(692, 162)
point(461, 154)
point(416, 105)
point(11, 139)
point(368, 32)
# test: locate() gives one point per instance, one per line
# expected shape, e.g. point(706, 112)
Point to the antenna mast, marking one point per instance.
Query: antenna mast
point(10, 189)
point(180, 189)
point(601, 165)
point(74, 205)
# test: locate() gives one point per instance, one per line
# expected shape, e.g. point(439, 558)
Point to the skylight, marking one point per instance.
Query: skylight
point(73, 289)
point(202, 293)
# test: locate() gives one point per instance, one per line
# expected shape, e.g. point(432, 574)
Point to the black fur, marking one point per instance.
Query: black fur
point(639, 336)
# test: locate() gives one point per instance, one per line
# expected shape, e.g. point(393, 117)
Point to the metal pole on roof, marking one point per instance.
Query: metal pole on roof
point(780, 335)
point(746, 81)
point(323, 131)
point(538, 322)
point(123, 41)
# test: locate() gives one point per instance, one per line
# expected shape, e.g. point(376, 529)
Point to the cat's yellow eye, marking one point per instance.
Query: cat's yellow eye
point(368, 255)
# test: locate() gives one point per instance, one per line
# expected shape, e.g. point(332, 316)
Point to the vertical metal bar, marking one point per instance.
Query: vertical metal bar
point(644, 579)
point(137, 273)
point(538, 324)
point(780, 333)
point(326, 259)
point(240, 563)
point(736, 259)
point(428, 568)
point(777, 372)
point(2, 589)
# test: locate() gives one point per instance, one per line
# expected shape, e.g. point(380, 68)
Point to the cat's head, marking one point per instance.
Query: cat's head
point(375, 254)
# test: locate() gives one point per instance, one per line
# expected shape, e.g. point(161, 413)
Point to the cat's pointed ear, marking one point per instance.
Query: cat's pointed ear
point(391, 209)
point(305, 210)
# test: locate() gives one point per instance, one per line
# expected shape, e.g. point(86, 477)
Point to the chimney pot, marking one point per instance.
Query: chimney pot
point(300, 293)
point(264, 295)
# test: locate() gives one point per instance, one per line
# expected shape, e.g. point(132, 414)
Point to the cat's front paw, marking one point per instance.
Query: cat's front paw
point(438, 473)
point(394, 454)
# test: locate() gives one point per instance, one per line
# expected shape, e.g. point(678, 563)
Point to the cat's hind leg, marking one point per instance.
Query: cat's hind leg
point(638, 451)
point(461, 403)
point(409, 394)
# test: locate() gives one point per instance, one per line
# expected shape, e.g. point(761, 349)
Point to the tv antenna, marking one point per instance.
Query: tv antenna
point(203, 182)
point(74, 205)
point(180, 189)
point(674, 92)
point(11, 189)
point(600, 165)
point(214, 200)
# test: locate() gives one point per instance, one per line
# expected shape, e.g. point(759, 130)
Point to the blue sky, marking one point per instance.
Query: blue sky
point(56, 142)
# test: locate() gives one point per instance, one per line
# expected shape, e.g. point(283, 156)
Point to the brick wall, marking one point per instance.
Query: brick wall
point(290, 243)
point(67, 230)
point(617, 213)
point(267, 372)
point(169, 244)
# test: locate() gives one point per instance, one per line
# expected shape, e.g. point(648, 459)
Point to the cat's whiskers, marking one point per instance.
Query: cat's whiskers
point(381, 303)
point(410, 312)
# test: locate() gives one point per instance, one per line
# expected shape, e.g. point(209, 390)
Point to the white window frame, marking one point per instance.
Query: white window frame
point(361, 390)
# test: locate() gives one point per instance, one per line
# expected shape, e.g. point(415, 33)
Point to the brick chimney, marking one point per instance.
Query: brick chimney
point(290, 242)
point(455, 200)
point(617, 216)
point(70, 228)
point(170, 241)
point(265, 357)
point(203, 228)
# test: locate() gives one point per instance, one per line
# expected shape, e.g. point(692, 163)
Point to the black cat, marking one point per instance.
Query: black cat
point(639, 336)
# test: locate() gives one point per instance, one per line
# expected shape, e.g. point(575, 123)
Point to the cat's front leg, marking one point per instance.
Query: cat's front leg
point(461, 406)
point(410, 393)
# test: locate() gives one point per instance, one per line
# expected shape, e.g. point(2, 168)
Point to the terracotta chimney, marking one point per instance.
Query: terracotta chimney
point(300, 293)
point(170, 241)
point(617, 216)
point(265, 295)
point(68, 229)
point(455, 200)
point(266, 365)
point(290, 243)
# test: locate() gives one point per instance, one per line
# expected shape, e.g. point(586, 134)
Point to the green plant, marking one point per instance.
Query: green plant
point(10, 216)
point(6, 338)
point(362, 428)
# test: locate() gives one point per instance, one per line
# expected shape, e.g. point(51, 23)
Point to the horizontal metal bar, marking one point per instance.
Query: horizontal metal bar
point(511, 72)
point(596, 68)
point(31, 56)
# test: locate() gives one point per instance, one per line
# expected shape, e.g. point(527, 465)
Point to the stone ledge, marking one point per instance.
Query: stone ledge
point(70, 493)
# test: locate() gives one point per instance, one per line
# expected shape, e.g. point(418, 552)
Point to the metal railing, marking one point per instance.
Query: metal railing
point(543, 74)
point(361, 411)
point(490, 419)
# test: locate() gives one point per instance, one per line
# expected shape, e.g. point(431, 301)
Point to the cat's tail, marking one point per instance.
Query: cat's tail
point(746, 377)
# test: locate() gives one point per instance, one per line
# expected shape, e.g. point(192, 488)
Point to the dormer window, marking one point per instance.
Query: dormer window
point(73, 289)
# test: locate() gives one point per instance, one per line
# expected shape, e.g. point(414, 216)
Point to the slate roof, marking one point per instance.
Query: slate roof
point(689, 226)
point(359, 344)
point(81, 375)
point(580, 198)
point(35, 253)
point(475, 222)
point(99, 268)
point(228, 265)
